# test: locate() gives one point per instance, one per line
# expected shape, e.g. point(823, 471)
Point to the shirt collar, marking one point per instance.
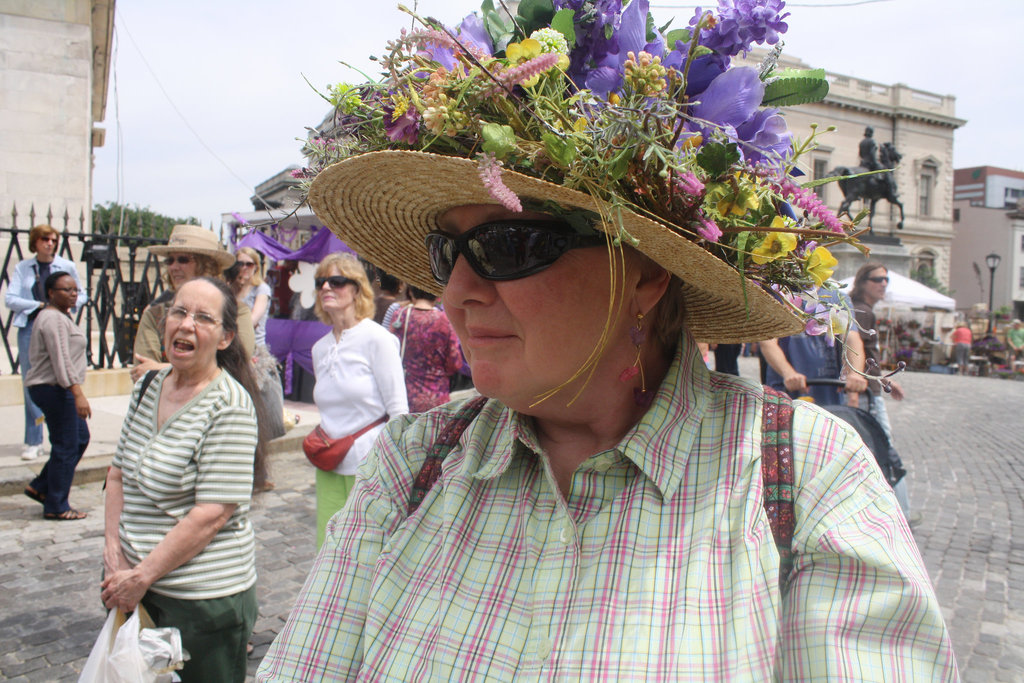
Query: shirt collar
point(658, 445)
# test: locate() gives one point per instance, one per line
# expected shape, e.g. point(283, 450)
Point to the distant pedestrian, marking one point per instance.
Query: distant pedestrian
point(1015, 339)
point(727, 358)
point(962, 338)
point(26, 298)
point(57, 350)
point(430, 351)
point(869, 285)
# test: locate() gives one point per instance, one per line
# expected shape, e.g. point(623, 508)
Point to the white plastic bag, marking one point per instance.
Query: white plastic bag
point(131, 650)
point(97, 668)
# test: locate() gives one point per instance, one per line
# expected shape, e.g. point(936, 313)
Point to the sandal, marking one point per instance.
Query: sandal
point(68, 515)
point(34, 495)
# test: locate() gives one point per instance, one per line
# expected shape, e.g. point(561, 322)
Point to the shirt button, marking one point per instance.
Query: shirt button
point(387, 547)
point(565, 535)
point(544, 648)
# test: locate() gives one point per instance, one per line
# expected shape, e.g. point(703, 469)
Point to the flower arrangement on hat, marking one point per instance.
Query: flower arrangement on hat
point(594, 97)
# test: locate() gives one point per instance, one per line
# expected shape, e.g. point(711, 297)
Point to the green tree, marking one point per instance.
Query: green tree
point(114, 219)
point(926, 276)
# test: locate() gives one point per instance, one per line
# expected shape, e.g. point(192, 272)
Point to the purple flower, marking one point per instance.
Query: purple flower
point(742, 23)
point(471, 33)
point(732, 98)
point(767, 136)
point(403, 128)
point(708, 230)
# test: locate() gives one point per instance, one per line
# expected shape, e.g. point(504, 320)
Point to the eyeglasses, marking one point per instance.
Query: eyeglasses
point(879, 278)
point(245, 264)
point(69, 290)
point(505, 250)
point(178, 315)
point(335, 281)
point(51, 238)
point(180, 259)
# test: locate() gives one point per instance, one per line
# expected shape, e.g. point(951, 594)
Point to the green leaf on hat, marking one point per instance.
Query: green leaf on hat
point(559, 149)
point(563, 24)
point(717, 158)
point(535, 14)
point(795, 86)
point(499, 139)
point(676, 35)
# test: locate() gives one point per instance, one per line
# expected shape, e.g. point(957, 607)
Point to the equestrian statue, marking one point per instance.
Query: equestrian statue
point(871, 187)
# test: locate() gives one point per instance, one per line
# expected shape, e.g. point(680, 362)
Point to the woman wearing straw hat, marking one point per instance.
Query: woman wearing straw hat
point(610, 510)
point(191, 251)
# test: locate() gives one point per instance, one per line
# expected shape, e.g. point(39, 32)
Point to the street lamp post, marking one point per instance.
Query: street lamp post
point(992, 261)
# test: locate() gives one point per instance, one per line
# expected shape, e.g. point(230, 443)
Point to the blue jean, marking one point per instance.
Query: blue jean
point(69, 437)
point(33, 428)
point(876, 407)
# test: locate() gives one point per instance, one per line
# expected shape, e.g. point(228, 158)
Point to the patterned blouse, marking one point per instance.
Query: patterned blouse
point(430, 355)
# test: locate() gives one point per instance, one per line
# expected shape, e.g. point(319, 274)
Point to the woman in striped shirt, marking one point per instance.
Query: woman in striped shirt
point(178, 537)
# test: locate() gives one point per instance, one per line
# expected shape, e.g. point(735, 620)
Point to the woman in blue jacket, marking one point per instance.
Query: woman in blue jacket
point(25, 298)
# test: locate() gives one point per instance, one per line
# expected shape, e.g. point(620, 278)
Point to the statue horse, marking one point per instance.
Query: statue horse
point(871, 187)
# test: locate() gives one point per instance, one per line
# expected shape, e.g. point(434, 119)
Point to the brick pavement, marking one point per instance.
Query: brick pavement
point(961, 437)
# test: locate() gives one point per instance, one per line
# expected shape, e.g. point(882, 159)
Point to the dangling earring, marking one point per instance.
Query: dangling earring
point(638, 335)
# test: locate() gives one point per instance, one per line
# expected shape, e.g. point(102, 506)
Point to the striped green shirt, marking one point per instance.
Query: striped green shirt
point(202, 454)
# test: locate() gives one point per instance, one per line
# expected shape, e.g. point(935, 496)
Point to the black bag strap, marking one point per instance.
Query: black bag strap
point(776, 467)
point(147, 379)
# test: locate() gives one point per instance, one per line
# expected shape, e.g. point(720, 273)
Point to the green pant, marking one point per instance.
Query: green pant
point(331, 493)
point(215, 633)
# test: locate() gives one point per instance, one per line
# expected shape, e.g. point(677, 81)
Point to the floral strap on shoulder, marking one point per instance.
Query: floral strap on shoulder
point(778, 476)
point(440, 449)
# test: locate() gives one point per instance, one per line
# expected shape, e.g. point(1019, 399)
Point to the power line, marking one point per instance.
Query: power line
point(246, 185)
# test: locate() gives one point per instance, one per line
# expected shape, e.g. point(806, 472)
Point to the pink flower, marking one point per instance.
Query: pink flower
point(525, 71)
point(708, 230)
point(489, 170)
point(688, 183)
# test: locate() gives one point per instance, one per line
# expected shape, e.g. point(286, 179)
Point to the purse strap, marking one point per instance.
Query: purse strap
point(439, 450)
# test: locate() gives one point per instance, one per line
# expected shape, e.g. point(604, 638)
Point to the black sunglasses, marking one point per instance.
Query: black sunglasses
point(505, 250)
point(879, 278)
point(181, 260)
point(335, 281)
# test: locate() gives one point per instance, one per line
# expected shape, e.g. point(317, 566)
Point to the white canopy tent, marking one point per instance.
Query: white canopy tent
point(903, 292)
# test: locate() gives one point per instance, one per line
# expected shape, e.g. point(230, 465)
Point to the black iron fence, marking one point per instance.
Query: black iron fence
point(121, 278)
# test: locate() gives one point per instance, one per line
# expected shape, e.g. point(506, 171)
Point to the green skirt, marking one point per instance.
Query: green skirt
point(331, 493)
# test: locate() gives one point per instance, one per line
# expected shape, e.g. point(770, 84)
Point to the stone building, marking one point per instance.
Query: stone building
point(54, 66)
point(920, 125)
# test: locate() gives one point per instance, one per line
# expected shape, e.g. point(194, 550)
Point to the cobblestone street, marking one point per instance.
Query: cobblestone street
point(961, 438)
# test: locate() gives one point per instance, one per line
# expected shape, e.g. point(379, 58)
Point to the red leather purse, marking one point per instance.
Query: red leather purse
point(327, 453)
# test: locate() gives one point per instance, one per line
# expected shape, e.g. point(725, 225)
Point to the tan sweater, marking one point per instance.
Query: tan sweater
point(57, 350)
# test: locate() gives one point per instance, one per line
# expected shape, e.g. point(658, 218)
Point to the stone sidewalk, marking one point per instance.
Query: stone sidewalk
point(962, 439)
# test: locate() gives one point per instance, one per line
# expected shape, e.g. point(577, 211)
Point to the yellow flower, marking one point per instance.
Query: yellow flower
point(820, 264)
point(520, 52)
point(775, 245)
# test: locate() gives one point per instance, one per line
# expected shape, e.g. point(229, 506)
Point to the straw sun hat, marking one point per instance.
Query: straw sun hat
point(193, 239)
point(382, 204)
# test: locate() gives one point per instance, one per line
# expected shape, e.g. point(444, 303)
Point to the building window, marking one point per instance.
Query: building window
point(924, 193)
point(1021, 283)
point(924, 267)
point(820, 171)
point(956, 215)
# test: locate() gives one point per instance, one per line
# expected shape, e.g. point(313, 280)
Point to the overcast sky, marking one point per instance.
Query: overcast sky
point(206, 99)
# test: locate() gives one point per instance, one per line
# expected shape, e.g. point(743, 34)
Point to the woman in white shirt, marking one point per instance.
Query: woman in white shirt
point(359, 379)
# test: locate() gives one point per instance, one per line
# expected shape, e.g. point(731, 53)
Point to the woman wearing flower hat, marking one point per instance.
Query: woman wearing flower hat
point(610, 510)
point(191, 251)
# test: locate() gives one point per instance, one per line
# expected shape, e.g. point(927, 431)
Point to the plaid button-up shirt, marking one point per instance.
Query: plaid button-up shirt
point(660, 564)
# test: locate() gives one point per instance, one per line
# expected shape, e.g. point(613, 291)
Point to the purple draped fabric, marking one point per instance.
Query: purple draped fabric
point(322, 243)
point(291, 341)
